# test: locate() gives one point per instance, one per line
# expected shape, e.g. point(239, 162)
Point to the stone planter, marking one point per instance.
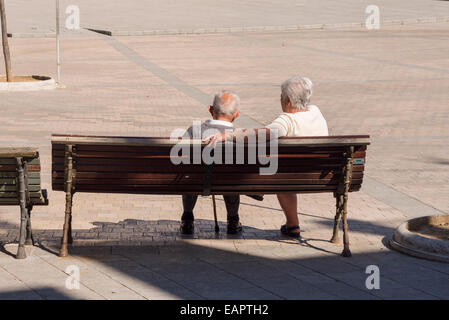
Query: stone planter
point(27, 83)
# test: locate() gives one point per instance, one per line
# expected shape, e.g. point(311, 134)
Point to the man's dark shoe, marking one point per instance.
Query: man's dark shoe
point(234, 227)
point(187, 227)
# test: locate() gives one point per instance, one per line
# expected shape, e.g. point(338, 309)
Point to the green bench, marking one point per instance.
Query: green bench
point(20, 184)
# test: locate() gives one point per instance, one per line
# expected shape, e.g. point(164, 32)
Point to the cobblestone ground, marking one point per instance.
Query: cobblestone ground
point(392, 84)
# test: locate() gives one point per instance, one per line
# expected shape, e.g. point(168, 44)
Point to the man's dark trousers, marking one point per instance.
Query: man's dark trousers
point(232, 206)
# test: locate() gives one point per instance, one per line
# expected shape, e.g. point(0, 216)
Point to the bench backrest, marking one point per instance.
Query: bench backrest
point(143, 165)
point(9, 183)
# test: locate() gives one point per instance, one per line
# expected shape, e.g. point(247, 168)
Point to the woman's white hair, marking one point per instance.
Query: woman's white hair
point(226, 103)
point(298, 90)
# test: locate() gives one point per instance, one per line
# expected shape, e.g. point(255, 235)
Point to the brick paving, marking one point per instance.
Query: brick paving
point(392, 83)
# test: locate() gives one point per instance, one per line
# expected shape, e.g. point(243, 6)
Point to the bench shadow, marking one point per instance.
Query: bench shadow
point(136, 232)
point(5, 251)
point(362, 226)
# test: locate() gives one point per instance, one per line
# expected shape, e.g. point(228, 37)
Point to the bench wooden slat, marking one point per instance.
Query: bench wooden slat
point(57, 156)
point(15, 201)
point(9, 201)
point(154, 149)
point(12, 161)
point(13, 181)
point(159, 141)
point(179, 190)
point(13, 194)
point(149, 157)
point(166, 162)
point(200, 169)
point(189, 181)
point(13, 174)
point(18, 152)
point(12, 168)
point(9, 188)
point(59, 175)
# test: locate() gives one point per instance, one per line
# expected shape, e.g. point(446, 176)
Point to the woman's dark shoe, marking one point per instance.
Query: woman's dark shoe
point(288, 231)
point(234, 227)
point(187, 227)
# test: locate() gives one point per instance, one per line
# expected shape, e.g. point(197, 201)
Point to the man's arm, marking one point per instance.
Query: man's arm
point(239, 135)
point(278, 128)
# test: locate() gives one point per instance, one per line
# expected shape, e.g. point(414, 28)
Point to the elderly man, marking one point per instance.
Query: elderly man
point(224, 111)
point(298, 118)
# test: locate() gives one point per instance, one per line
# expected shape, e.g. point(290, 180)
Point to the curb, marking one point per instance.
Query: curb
point(224, 30)
point(45, 83)
point(31, 35)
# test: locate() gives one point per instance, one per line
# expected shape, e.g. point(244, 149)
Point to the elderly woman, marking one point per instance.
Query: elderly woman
point(298, 118)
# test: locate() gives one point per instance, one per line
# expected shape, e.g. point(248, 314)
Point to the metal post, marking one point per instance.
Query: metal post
point(29, 234)
point(58, 53)
point(339, 196)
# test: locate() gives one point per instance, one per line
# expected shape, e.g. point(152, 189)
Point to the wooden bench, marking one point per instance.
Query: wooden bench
point(138, 165)
point(20, 184)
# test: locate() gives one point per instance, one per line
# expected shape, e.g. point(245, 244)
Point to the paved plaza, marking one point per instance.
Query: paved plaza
point(391, 83)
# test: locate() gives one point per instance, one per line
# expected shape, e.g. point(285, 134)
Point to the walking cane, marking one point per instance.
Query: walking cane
point(217, 228)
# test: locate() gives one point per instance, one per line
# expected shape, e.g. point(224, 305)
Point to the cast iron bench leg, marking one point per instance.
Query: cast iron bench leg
point(346, 252)
point(63, 252)
point(337, 218)
point(348, 176)
point(70, 239)
point(29, 234)
point(23, 210)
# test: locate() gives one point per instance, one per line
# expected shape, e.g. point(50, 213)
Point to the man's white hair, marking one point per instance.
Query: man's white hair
point(226, 103)
point(298, 90)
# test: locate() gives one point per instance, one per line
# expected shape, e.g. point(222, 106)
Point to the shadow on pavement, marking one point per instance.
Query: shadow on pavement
point(195, 268)
point(35, 294)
